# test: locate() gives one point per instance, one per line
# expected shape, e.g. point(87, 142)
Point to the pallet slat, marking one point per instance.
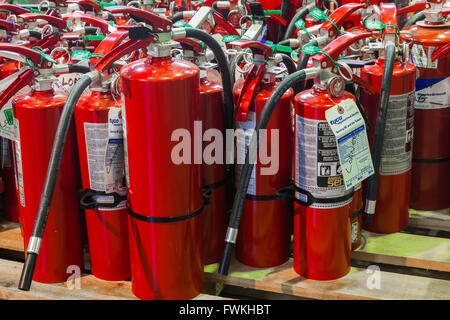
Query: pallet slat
point(283, 279)
point(406, 250)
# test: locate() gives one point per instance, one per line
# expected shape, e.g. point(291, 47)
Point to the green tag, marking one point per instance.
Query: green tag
point(81, 55)
point(9, 116)
point(310, 49)
point(229, 38)
point(318, 14)
point(300, 24)
point(273, 12)
point(34, 10)
point(378, 25)
point(181, 24)
point(280, 48)
point(94, 37)
point(294, 55)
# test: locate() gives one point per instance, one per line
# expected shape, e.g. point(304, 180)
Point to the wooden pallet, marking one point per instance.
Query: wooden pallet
point(401, 249)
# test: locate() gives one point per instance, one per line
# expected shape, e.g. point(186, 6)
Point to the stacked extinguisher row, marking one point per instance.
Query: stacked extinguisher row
point(95, 98)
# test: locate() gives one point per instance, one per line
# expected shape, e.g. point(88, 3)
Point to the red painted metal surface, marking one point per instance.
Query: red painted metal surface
point(322, 243)
point(429, 186)
point(38, 114)
point(214, 219)
point(264, 232)
point(391, 211)
point(161, 95)
point(107, 230)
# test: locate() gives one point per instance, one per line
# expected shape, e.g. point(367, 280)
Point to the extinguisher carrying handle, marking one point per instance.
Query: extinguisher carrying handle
point(339, 16)
point(31, 54)
point(13, 9)
point(54, 21)
point(94, 21)
point(122, 50)
point(7, 25)
point(255, 46)
point(219, 19)
point(107, 44)
point(158, 23)
point(337, 46)
point(20, 82)
point(418, 6)
point(388, 17)
point(91, 199)
point(86, 5)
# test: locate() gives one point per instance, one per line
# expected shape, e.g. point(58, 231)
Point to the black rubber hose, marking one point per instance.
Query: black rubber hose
point(291, 27)
point(350, 87)
point(177, 17)
point(416, 17)
point(78, 68)
point(247, 168)
point(50, 181)
point(237, 60)
point(224, 71)
point(302, 64)
point(289, 63)
point(285, 11)
point(35, 34)
point(372, 184)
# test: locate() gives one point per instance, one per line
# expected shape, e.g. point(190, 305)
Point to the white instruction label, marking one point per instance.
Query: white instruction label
point(432, 93)
point(396, 156)
point(318, 169)
point(19, 181)
point(422, 58)
point(243, 139)
point(97, 136)
point(349, 128)
point(114, 158)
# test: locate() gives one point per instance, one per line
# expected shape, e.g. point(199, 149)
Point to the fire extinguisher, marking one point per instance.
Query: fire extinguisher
point(322, 214)
point(322, 230)
point(98, 123)
point(265, 226)
point(165, 86)
point(10, 202)
point(214, 175)
point(40, 108)
point(431, 153)
point(391, 113)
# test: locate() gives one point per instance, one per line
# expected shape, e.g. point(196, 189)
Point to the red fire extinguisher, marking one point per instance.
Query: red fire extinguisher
point(431, 152)
point(214, 174)
point(164, 198)
point(265, 226)
point(388, 191)
point(168, 92)
point(322, 243)
point(98, 122)
point(40, 108)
